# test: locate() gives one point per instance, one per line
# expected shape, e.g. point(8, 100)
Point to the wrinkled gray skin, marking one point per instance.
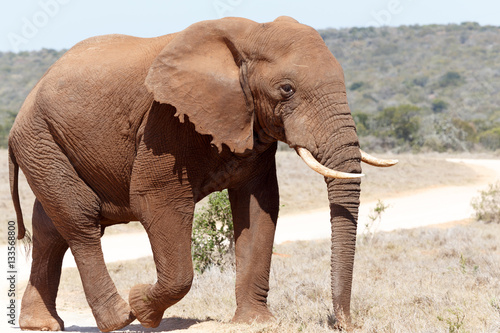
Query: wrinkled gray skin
point(124, 129)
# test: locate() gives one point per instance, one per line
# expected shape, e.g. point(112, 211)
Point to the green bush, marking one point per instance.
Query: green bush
point(438, 105)
point(402, 122)
point(490, 138)
point(386, 49)
point(450, 79)
point(362, 122)
point(455, 320)
point(212, 238)
point(421, 81)
point(467, 129)
point(487, 205)
point(356, 85)
point(5, 126)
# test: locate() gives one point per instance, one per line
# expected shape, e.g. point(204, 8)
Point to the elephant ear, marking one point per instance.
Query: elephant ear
point(202, 73)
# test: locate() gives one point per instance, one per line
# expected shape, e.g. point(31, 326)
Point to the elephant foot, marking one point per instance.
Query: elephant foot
point(340, 322)
point(36, 315)
point(143, 308)
point(39, 321)
point(252, 314)
point(113, 314)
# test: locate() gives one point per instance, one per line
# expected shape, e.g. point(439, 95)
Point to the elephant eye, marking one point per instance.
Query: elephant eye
point(287, 90)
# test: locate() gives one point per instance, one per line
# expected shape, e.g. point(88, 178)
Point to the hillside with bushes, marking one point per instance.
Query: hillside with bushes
point(434, 87)
point(19, 72)
point(410, 88)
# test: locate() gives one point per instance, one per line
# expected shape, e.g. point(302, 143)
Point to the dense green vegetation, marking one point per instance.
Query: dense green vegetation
point(410, 88)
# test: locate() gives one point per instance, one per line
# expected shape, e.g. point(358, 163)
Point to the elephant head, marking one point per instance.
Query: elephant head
point(249, 85)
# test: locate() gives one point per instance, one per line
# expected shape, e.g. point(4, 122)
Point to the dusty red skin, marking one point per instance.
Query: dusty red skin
point(124, 128)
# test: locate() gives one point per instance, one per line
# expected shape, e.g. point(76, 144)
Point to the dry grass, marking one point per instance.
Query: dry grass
point(420, 280)
point(429, 280)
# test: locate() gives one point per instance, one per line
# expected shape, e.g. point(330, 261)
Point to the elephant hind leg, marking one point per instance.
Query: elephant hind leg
point(74, 209)
point(110, 310)
point(83, 233)
point(38, 309)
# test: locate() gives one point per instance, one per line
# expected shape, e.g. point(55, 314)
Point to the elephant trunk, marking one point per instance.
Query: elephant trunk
point(343, 155)
point(335, 146)
point(344, 202)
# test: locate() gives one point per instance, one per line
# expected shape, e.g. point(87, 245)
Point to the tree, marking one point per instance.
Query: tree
point(402, 122)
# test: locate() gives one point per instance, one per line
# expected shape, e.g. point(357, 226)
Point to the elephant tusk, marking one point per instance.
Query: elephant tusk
point(321, 169)
point(368, 159)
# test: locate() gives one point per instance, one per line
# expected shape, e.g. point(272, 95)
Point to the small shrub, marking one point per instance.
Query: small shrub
point(455, 321)
point(487, 205)
point(212, 238)
point(495, 304)
point(356, 85)
point(438, 105)
point(421, 81)
point(384, 49)
point(375, 217)
point(450, 79)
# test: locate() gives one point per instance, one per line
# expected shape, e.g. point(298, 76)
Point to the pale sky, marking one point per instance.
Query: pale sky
point(57, 24)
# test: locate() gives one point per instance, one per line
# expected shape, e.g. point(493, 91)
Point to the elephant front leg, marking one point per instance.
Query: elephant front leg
point(255, 212)
point(169, 232)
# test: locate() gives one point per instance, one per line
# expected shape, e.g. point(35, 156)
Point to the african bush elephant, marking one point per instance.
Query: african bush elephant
point(131, 129)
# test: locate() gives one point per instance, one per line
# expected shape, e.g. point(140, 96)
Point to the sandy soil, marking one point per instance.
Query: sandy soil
point(432, 206)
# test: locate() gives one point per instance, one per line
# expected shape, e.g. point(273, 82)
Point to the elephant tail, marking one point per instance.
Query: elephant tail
point(14, 190)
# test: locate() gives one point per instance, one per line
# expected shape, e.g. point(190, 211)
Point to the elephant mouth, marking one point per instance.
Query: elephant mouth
point(309, 159)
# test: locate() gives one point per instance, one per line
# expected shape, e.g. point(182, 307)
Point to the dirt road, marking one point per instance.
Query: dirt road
point(426, 207)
